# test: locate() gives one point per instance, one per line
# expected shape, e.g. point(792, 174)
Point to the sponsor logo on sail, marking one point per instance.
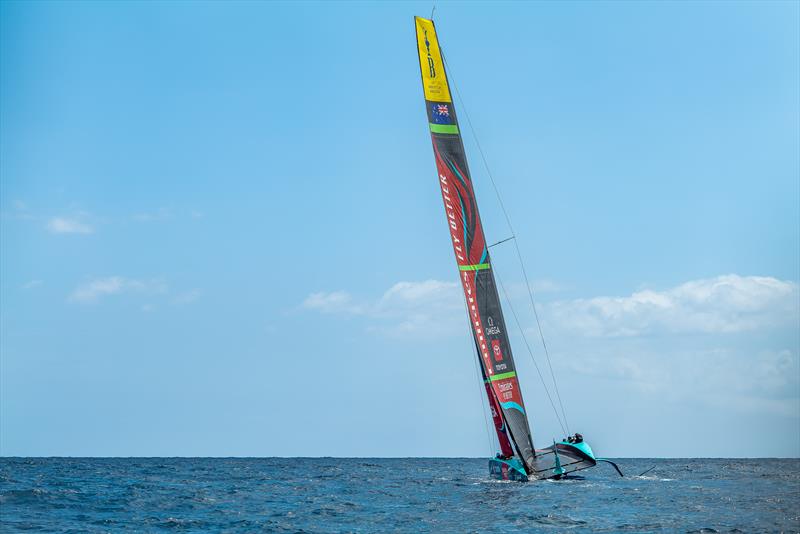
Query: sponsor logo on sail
point(491, 329)
point(498, 352)
point(441, 114)
point(431, 67)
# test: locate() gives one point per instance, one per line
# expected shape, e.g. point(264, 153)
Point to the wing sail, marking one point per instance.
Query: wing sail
point(470, 248)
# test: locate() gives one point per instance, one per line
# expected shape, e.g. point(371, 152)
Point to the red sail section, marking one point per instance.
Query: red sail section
point(483, 302)
point(499, 425)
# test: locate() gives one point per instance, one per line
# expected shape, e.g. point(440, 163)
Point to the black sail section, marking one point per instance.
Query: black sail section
point(471, 252)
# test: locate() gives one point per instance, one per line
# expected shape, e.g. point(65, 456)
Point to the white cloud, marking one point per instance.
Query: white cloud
point(429, 292)
point(94, 289)
point(728, 303)
point(65, 225)
point(159, 215)
point(331, 302)
point(733, 377)
point(519, 290)
point(98, 288)
point(427, 307)
point(187, 297)
point(18, 211)
point(164, 214)
point(545, 285)
point(727, 342)
point(724, 304)
point(733, 359)
point(31, 284)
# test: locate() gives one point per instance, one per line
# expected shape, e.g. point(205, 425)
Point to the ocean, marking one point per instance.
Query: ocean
point(392, 495)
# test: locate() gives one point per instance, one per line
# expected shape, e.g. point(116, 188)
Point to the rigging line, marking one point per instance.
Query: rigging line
point(511, 229)
point(481, 386)
point(541, 336)
point(483, 404)
point(525, 339)
point(502, 241)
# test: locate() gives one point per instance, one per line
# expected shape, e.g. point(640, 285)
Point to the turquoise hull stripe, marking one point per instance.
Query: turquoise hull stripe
point(509, 405)
point(582, 446)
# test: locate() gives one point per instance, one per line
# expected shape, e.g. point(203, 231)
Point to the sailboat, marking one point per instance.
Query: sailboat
point(518, 459)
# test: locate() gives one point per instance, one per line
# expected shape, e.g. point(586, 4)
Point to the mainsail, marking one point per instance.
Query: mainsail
point(472, 253)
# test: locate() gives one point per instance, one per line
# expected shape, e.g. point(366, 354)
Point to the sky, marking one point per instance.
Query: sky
point(221, 231)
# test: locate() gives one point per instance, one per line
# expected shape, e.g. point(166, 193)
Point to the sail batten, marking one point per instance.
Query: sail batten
point(472, 254)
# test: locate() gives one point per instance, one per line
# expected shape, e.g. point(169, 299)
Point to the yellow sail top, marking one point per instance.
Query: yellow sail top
point(434, 80)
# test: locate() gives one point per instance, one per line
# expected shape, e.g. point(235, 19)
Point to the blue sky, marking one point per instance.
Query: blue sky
point(222, 233)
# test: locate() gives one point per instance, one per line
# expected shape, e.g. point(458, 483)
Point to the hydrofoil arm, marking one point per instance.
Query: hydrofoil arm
point(612, 463)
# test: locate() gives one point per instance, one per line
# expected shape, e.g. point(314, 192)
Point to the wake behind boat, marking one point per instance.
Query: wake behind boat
point(517, 459)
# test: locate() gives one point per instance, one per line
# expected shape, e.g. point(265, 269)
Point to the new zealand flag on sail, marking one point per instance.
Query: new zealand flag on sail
point(441, 114)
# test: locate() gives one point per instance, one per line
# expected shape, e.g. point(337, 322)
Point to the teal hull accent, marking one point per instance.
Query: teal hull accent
point(557, 469)
point(510, 469)
point(558, 461)
point(582, 446)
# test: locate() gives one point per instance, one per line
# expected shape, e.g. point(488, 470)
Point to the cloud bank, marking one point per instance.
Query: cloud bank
point(65, 225)
point(98, 288)
point(727, 342)
point(724, 304)
point(427, 307)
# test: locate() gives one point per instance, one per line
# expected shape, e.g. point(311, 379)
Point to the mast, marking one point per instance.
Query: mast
point(472, 254)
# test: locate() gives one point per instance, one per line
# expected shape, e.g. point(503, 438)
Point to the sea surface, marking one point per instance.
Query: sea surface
point(391, 495)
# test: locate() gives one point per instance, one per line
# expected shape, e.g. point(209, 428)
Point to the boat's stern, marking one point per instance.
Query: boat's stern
point(507, 469)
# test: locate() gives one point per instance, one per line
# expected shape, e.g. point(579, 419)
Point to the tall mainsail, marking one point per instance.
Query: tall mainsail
point(472, 253)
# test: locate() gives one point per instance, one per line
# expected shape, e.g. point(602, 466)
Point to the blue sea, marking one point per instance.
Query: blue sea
point(391, 495)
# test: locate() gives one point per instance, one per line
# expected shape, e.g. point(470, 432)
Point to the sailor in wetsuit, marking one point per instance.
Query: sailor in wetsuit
point(577, 438)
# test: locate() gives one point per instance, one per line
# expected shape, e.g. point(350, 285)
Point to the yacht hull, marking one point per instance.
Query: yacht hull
point(555, 462)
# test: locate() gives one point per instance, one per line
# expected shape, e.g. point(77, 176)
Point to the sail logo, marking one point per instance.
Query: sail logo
point(441, 114)
point(431, 64)
point(498, 352)
point(468, 285)
point(451, 217)
point(492, 330)
point(457, 235)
